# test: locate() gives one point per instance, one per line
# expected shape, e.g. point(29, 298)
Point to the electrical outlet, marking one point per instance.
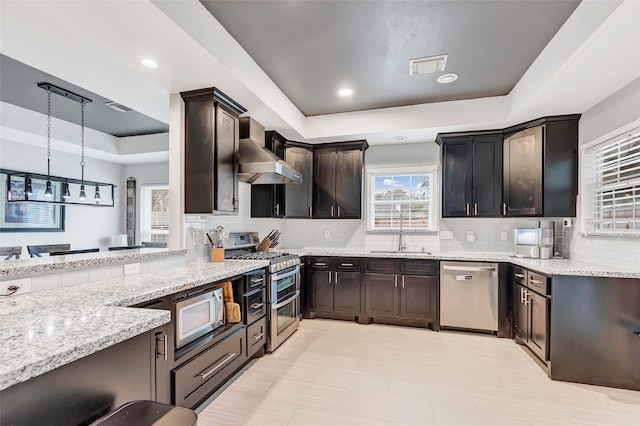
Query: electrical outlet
point(503, 235)
point(446, 235)
point(327, 233)
point(471, 236)
point(132, 268)
point(566, 222)
point(24, 286)
point(196, 237)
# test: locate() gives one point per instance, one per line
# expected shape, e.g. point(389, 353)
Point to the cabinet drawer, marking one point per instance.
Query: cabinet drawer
point(321, 263)
point(196, 379)
point(381, 265)
point(538, 282)
point(419, 267)
point(254, 281)
point(256, 336)
point(518, 275)
point(348, 264)
point(254, 306)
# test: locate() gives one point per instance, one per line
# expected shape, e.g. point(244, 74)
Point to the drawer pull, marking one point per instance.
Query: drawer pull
point(257, 336)
point(531, 280)
point(218, 366)
point(257, 280)
point(346, 264)
point(319, 264)
point(257, 305)
point(521, 276)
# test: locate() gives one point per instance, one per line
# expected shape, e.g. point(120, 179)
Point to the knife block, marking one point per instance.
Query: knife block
point(217, 254)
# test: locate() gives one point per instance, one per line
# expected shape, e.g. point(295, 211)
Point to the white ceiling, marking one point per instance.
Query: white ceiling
point(98, 45)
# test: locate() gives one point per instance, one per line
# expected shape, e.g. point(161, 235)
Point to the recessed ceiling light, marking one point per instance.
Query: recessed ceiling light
point(149, 63)
point(400, 138)
point(345, 92)
point(447, 78)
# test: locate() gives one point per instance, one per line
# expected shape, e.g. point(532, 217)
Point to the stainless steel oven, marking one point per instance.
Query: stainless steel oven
point(284, 299)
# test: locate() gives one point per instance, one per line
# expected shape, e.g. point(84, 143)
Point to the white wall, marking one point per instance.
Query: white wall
point(145, 174)
point(617, 110)
point(85, 227)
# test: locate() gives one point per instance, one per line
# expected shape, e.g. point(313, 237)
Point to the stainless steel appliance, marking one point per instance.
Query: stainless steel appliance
point(469, 295)
point(283, 285)
point(534, 239)
point(198, 315)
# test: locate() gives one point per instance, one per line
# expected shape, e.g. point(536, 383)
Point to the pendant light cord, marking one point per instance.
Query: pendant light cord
point(82, 163)
point(48, 133)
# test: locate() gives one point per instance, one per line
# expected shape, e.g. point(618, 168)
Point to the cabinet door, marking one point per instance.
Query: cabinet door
point(520, 323)
point(298, 196)
point(320, 288)
point(262, 201)
point(349, 184)
point(277, 147)
point(538, 325)
point(457, 169)
point(226, 182)
point(347, 292)
point(522, 183)
point(419, 297)
point(487, 176)
point(381, 295)
point(199, 156)
point(324, 183)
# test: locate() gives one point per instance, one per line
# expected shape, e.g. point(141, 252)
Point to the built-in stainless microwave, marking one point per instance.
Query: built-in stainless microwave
point(198, 315)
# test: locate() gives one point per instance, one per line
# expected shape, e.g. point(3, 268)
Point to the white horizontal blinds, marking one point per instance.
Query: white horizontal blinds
point(401, 197)
point(154, 213)
point(612, 179)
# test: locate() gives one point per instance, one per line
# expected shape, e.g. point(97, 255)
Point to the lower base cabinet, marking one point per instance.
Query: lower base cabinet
point(410, 297)
point(334, 286)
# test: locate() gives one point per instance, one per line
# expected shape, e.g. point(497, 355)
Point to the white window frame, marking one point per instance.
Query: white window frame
point(586, 198)
point(399, 171)
point(145, 208)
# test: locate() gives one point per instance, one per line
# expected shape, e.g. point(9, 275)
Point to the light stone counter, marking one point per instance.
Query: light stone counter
point(24, 266)
point(45, 330)
point(545, 266)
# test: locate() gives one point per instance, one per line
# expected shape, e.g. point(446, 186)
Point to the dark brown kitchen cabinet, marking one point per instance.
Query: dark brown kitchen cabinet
point(211, 151)
point(531, 311)
point(298, 197)
point(337, 180)
point(595, 332)
point(541, 167)
point(403, 290)
point(471, 174)
point(269, 200)
point(334, 286)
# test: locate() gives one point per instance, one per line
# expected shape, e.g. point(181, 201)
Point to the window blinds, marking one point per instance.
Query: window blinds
point(612, 185)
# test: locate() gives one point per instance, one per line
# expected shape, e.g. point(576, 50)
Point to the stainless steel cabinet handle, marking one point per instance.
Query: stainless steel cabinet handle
point(165, 346)
point(396, 280)
point(338, 211)
point(257, 305)
point(329, 277)
point(403, 281)
point(258, 336)
point(504, 209)
point(204, 375)
point(526, 297)
point(346, 264)
point(336, 278)
point(469, 268)
point(531, 280)
point(278, 209)
point(521, 276)
point(309, 211)
point(475, 209)
point(522, 295)
point(466, 209)
point(257, 280)
point(319, 264)
point(331, 211)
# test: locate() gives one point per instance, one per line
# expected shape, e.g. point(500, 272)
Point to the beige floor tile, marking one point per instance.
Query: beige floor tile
point(338, 373)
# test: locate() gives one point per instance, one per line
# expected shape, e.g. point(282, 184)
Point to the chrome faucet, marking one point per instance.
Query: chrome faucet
point(401, 245)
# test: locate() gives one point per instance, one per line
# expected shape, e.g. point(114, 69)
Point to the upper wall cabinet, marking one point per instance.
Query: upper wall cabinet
point(211, 151)
point(541, 168)
point(472, 175)
point(268, 200)
point(337, 180)
point(298, 197)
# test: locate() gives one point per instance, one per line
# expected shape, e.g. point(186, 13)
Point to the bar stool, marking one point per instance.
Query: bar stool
point(35, 251)
point(11, 252)
point(149, 244)
point(126, 247)
point(63, 252)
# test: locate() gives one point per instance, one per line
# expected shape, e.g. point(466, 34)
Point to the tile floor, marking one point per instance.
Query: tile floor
point(342, 373)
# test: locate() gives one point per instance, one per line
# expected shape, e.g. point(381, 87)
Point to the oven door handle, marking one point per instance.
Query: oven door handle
point(286, 302)
point(288, 274)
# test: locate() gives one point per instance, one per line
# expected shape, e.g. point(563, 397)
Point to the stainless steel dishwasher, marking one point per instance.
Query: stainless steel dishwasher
point(469, 295)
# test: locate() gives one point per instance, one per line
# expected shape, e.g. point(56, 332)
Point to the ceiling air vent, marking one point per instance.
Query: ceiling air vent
point(117, 106)
point(427, 65)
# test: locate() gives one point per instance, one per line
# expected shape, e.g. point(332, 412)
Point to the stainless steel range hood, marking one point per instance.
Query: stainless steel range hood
point(258, 165)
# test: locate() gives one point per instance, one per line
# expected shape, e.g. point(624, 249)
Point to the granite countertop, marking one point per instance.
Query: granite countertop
point(57, 263)
point(544, 266)
point(45, 330)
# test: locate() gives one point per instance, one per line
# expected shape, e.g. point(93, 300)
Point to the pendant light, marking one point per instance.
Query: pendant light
point(83, 195)
point(48, 192)
point(65, 191)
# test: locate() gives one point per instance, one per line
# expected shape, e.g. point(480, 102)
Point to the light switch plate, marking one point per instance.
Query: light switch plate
point(132, 268)
point(446, 235)
point(503, 235)
point(471, 236)
point(327, 233)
